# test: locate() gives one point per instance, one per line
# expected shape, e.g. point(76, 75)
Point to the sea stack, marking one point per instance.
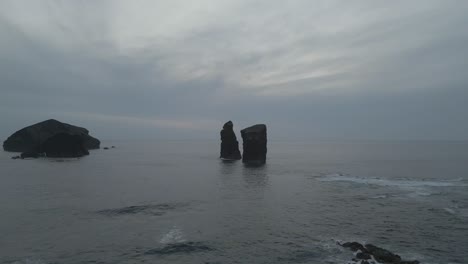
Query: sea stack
point(229, 143)
point(255, 144)
point(52, 138)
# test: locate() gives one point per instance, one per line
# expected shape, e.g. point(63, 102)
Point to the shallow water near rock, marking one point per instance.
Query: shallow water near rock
point(176, 202)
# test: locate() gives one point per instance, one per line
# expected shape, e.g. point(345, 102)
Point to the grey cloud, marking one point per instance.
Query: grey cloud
point(310, 69)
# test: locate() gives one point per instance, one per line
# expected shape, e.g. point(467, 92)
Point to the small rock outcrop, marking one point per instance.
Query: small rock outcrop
point(229, 143)
point(255, 144)
point(370, 254)
point(30, 139)
point(30, 154)
point(64, 145)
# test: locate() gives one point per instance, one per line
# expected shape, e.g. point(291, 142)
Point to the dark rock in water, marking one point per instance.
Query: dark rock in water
point(30, 154)
point(61, 145)
point(106, 148)
point(113, 147)
point(255, 144)
point(354, 246)
point(64, 145)
point(369, 252)
point(16, 157)
point(363, 255)
point(30, 138)
point(229, 143)
point(382, 255)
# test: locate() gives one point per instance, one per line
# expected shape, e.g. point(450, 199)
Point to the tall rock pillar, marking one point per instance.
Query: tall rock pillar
point(229, 143)
point(255, 144)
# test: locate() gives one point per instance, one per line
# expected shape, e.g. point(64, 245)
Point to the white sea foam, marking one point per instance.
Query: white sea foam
point(174, 235)
point(382, 196)
point(450, 210)
point(362, 261)
point(420, 191)
point(457, 211)
point(29, 261)
point(392, 183)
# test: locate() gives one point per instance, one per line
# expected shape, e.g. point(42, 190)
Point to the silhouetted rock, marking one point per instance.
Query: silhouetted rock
point(382, 255)
point(30, 138)
point(113, 147)
point(363, 255)
point(371, 252)
point(30, 154)
point(106, 148)
point(16, 157)
point(354, 246)
point(64, 145)
point(229, 143)
point(255, 144)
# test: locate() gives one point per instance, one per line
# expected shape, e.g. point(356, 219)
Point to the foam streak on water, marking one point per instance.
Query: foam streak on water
point(402, 183)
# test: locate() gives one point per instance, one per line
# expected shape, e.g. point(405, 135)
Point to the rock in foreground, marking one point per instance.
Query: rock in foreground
point(255, 144)
point(30, 139)
point(370, 254)
point(229, 143)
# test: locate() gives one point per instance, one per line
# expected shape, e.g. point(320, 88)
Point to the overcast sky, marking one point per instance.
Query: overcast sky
point(318, 69)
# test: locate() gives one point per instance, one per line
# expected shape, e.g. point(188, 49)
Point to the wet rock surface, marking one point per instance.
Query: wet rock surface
point(354, 246)
point(255, 144)
point(229, 143)
point(371, 254)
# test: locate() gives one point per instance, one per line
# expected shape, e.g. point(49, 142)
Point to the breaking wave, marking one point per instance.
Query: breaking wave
point(391, 183)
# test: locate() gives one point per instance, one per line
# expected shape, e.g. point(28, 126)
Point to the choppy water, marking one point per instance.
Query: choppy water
point(175, 202)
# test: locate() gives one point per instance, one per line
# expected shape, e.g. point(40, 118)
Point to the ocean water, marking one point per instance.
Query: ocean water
point(176, 202)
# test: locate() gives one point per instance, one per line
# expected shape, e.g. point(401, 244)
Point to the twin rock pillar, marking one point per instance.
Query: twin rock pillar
point(254, 144)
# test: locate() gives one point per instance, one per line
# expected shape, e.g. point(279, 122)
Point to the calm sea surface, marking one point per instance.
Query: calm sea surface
point(176, 202)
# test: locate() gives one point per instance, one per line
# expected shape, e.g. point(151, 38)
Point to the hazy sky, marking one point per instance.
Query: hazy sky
point(319, 69)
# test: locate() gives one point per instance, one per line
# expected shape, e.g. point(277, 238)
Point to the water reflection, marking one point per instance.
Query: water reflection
point(228, 167)
point(255, 175)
